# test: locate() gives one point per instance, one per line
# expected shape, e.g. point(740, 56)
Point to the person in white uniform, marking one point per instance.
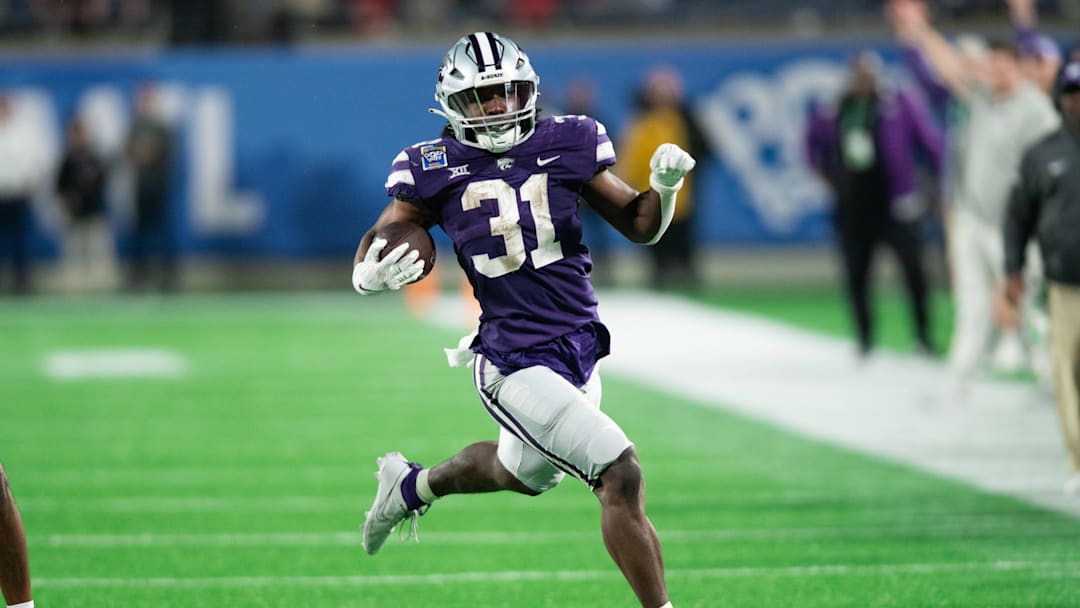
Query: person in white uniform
point(1006, 116)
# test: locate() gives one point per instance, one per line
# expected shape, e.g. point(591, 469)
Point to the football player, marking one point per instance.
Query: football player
point(14, 566)
point(505, 186)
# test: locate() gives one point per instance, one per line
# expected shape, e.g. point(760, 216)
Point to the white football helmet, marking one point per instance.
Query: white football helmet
point(487, 89)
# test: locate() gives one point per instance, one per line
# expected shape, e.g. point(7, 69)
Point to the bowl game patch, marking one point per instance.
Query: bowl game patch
point(433, 157)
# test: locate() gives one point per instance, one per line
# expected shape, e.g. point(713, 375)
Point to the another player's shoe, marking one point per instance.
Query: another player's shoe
point(397, 480)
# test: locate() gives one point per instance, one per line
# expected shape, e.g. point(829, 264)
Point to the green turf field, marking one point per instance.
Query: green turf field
point(241, 482)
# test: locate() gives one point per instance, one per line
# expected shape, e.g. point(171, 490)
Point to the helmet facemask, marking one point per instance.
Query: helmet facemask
point(488, 95)
point(495, 117)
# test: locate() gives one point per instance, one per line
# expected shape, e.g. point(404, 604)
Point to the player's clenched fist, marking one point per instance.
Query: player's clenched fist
point(669, 164)
point(394, 270)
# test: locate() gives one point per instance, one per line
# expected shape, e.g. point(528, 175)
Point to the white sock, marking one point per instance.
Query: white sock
point(29, 604)
point(423, 490)
point(667, 605)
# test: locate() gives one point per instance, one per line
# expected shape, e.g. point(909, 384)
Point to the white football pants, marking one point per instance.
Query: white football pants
point(549, 426)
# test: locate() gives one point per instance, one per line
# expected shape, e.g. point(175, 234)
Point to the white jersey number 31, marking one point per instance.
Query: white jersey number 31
point(533, 191)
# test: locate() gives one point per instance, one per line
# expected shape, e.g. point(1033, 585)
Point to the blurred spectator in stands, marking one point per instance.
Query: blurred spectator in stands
point(1040, 56)
point(1006, 114)
point(88, 253)
point(662, 117)
point(20, 176)
point(866, 151)
point(136, 14)
point(372, 16)
point(200, 22)
point(77, 17)
point(149, 150)
point(1045, 205)
point(534, 13)
point(281, 25)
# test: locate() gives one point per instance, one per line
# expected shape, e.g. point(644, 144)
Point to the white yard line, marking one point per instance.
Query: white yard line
point(971, 528)
point(1041, 569)
point(1005, 439)
point(281, 504)
point(114, 363)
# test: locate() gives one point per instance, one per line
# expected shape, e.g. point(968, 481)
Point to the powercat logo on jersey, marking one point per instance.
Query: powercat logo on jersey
point(433, 157)
point(505, 164)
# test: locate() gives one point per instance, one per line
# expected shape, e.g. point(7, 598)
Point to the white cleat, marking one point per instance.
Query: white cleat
point(389, 508)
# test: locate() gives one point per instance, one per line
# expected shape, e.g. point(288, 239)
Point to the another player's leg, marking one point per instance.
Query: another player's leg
point(628, 534)
point(14, 565)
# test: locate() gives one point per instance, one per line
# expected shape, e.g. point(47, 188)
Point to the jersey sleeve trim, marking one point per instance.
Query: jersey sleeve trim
point(401, 176)
point(605, 150)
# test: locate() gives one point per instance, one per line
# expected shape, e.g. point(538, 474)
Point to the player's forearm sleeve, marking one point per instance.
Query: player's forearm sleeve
point(667, 205)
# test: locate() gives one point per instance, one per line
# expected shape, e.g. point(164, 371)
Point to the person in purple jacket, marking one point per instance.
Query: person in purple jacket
point(505, 186)
point(867, 150)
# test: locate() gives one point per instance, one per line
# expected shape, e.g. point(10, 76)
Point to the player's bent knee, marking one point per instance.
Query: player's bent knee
point(622, 482)
point(511, 482)
point(537, 482)
point(525, 480)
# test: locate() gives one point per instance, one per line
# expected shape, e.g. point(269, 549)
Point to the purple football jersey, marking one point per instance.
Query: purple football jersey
point(516, 232)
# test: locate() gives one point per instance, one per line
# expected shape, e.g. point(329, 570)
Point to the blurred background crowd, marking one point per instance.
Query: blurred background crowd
point(232, 21)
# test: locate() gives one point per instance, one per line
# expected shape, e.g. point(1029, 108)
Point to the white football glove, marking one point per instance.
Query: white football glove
point(393, 271)
point(669, 164)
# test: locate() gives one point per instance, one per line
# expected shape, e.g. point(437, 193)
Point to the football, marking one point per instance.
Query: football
point(415, 235)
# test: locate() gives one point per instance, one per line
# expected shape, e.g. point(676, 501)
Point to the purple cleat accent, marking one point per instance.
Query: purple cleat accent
point(408, 489)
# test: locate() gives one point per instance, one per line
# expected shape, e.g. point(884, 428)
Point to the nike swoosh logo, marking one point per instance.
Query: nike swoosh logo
point(540, 162)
